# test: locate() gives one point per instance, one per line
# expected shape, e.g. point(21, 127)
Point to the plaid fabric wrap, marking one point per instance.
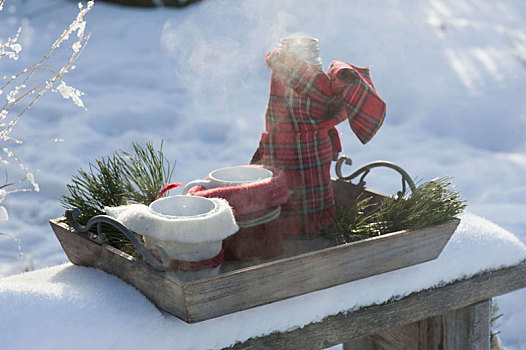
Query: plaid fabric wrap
point(365, 109)
point(304, 106)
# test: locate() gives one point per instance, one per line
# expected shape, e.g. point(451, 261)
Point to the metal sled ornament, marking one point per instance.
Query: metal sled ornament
point(306, 266)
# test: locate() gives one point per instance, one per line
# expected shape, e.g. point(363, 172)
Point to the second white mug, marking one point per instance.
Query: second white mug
point(231, 176)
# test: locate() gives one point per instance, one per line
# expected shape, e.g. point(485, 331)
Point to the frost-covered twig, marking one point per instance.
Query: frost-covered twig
point(11, 48)
point(22, 90)
point(17, 240)
point(26, 263)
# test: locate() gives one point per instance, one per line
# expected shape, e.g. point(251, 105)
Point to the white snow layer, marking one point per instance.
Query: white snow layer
point(71, 307)
point(452, 72)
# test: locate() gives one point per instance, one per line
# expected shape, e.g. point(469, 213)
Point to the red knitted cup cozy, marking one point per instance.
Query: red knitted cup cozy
point(249, 203)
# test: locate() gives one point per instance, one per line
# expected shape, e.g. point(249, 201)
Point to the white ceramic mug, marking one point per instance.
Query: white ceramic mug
point(182, 206)
point(202, 224)
point(232, 176)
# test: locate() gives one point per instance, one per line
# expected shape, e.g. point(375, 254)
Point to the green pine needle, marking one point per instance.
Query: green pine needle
point(147, 171)
point(120, 179)
point(429, 204)
point(494, 316)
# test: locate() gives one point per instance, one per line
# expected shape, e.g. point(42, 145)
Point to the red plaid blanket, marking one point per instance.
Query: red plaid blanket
point(305, 105)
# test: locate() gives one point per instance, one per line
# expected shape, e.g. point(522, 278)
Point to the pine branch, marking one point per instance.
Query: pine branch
point(429, 204)
point(147, 170)
point(118, 180)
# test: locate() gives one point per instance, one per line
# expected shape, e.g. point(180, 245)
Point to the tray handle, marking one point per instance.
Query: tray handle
point(100, 237)
point(366, 169)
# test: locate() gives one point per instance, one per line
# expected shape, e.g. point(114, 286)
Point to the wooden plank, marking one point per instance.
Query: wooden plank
point(345, 194)
point(468, 328)
point(263, 283)
point(241, 287)
point(292, 247)
point(340, 328)
point(406, 337)
point(365, 343)
point(465, 328)
point(431, 333)
point(162, 289)
point(277, 280)
point(80, 251)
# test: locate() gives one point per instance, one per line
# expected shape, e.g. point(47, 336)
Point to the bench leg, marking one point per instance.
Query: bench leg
point(466, 328)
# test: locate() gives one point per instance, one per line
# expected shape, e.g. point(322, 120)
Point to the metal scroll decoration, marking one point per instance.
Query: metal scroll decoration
point(100, 237)
point(366, 169)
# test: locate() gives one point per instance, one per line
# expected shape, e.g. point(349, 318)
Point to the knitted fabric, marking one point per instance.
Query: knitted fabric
point(192, 266)
point(248, 202)
point(213, 226)
point(305, 105)
point(252, 197)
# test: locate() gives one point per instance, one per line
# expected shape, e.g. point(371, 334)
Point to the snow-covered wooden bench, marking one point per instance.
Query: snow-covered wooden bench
point(445, 301)
point(453, 316)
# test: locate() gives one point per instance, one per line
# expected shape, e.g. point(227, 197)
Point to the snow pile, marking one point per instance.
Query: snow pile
point(67, 306)
point(451, 71)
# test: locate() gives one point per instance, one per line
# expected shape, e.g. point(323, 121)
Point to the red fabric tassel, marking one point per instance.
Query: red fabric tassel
point(167, 188)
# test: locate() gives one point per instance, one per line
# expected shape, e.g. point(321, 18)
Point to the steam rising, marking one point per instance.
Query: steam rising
point(219, 64)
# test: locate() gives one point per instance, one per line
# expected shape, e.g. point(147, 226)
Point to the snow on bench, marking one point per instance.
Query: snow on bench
point(72, 307)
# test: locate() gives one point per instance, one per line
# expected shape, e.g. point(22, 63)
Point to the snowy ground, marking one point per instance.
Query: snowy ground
point(453, 74)
point(103, 304)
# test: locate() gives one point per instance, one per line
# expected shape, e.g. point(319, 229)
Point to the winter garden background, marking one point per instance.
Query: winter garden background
point(453, 74)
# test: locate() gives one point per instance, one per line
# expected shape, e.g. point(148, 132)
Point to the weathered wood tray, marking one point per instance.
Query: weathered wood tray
point(307, 266)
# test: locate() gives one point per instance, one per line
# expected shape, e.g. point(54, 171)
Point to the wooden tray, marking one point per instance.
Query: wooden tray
point(307, 266)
